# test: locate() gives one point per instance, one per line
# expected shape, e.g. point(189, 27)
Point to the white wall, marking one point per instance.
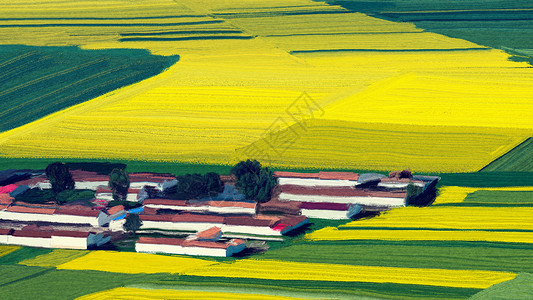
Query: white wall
point(250, 230)
point(30, 241)
point(398, 185)
point(325, 214)
point(90, 185)
point(4, 239)
point(16, 216)
point(174, 249)
point(316, 182)
point(68, 242)
point(179, 226)
point(371, 201)
point(117, 225)
point(231, 210)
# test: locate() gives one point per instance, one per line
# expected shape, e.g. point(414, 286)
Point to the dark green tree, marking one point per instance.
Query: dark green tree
point(132, 224)
point(119, 183)
point(245, 167)
point(190, 186)
point(60, 178)
point(255, 184)
point(213, 184)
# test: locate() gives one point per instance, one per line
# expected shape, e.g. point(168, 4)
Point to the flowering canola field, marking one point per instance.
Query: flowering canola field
point(129, 293)
point(501, 218)
point(132, 263)
point(271, 269)
point(242, 66)
point(335, 234)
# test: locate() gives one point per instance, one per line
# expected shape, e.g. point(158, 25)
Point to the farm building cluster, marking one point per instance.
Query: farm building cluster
point(219, 224)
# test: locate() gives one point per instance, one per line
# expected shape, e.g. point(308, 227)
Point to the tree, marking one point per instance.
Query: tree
point(60, 178)
point(190, 186)
point(119, 183)
point(245, 167)
point(132, 224)
point(255, 184)
point(213, 184)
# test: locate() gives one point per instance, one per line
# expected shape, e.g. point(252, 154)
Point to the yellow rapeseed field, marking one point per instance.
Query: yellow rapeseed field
point(136, 293)
point(54, 258)
point(5, 250)
point(133, 263)
point(377, 146)
point(226, 94)
point(501, 218)
point(276, 270)
point(334, 234)
point(456, 194)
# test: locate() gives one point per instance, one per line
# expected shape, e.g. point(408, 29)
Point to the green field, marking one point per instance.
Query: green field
point(498, 198)
point(440, 255)
point(38, 81)
point(493, 23)
point(520, 159)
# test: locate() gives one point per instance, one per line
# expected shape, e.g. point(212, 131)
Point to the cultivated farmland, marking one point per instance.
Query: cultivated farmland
point(240, 69)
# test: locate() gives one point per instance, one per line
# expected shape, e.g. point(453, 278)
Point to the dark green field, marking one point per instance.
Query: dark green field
point(519, 159)
point(38, 81)
point(499, 24)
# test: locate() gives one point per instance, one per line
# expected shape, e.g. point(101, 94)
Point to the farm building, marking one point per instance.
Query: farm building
point(262, 225)
point(214, 207)
point(182, 222)
point(321, 179)
point(332, 211)
point(66, 214)
point(189, 247)
point(343, 195)
point(77, 240)
point(34, 236)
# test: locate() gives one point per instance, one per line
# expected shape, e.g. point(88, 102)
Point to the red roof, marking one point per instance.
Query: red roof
point(149, 211)
point(231, 204)
point(338, 175)
point(77, 212)
point(156, 218)
point(160, 241)
point(6, 231)
point(247, 221)
point(31, 210)
point(292, 220)
point(65, 233)
point(295, 174)
point(165, 202)
point(198, 218)
point(211, 233)
point(33, 233)
point(6, 199)
point(320, 175)
point(115, 209)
